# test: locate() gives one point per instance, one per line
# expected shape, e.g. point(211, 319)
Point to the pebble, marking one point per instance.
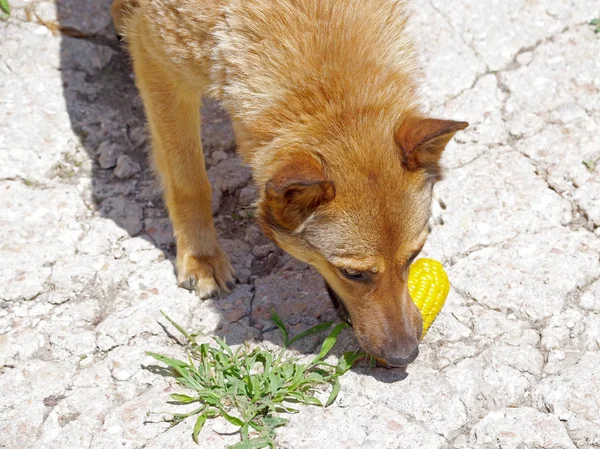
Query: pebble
point(126, 167)
point(108, 153)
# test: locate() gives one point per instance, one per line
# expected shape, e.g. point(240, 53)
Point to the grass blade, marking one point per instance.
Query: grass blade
point(287, 370)
point(5, 7)
point(285, 409)
point(198, 427)
point(347, 361)
point(311, 400)
point(299, 371)
point(255, 443)
point(179, 367)
point(267, 360)
point(178, 327)
point(232, 419)
point(335, 390)
point(182, 398)
point(166, 360)
point(304, 398)
point(330, 341)
point(244, 431)
point(274, 384)
point(254, 382)
point(313, 330)
point(224, 346)
point(180, 416)
point(280, 324)
point(274, 421)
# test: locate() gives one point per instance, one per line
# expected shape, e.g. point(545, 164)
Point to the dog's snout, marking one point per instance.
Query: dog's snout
point(402, 356)
point(390, 331)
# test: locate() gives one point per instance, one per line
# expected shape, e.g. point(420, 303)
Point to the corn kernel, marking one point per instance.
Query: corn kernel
point(428, 286)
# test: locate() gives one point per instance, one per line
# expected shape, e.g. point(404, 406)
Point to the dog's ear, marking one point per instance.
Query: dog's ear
point(422, 141)
point(297, 189)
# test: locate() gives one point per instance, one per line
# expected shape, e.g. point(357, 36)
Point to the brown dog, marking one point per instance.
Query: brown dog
point(322, 96)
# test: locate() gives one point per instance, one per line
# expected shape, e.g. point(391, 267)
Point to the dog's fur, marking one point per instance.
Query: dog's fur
point(322, 95)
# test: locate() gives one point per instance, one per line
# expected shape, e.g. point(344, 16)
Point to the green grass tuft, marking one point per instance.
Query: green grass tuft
point(251, 388)
point(596, 23)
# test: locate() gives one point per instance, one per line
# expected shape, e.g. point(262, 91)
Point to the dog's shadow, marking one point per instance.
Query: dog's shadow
point(106, 113)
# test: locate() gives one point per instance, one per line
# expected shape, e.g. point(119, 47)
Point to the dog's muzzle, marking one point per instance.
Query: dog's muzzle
point(389, 362)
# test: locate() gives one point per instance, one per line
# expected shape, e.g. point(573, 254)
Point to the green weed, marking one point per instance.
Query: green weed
point(5, 7)
point(596, 23)
point(251, 388)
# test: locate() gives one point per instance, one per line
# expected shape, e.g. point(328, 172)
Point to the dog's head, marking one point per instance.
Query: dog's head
point(359, 214)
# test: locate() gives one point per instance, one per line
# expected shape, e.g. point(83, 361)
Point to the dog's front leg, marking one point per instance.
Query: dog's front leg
point(173, 111)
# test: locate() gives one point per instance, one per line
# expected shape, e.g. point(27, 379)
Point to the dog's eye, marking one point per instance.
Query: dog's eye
point(353, 274)
point(412, 258)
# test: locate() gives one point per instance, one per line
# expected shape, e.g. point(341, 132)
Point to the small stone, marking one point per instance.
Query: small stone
point(125, 212)
point(219, 156)
point(525, 57)
point(86, 56)
point(262, 250)
point(255, 236)
point(107, 154)
point(216, 198)
point(237, 303)
point(565, 416)
point(92, 20)
point(241, 258)
point(160, 230)
point(138, 136)
point(217, 132)
point(126, 167)
point(229, 175)
point(247, 195)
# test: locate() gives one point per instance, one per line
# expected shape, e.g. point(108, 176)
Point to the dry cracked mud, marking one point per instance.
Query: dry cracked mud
point(86, 249)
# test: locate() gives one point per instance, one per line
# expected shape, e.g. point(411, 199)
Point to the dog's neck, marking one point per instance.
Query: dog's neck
point(316, 80)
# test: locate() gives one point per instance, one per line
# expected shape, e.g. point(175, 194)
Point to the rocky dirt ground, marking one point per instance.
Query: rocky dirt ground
point(86, 249)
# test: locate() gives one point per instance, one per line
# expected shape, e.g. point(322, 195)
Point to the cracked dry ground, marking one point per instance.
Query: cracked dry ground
point(86, 248)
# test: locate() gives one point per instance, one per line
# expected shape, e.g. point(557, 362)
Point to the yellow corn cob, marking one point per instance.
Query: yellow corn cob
point(428, 286)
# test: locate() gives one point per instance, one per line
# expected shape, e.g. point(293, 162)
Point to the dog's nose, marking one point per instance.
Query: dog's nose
point(401, 360)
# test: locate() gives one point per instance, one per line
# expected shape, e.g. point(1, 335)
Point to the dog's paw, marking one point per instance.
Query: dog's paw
point(437, 211)
point(207, 275)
